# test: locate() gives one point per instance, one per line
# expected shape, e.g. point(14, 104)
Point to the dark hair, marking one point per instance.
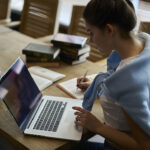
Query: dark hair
point(118, 12)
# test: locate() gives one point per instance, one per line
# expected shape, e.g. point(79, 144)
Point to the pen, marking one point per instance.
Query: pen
point(83, 77)
point(0, 73)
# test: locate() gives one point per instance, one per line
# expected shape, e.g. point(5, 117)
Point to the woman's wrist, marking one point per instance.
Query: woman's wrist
point(101, 128)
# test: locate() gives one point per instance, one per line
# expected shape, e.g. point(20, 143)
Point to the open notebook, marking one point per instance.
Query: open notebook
point(44, 77)
point(70, 87)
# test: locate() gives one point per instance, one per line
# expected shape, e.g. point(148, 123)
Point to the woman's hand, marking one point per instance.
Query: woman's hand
point(83, 85)
point(87, 120)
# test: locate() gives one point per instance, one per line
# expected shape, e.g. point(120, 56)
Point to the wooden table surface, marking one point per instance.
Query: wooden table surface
point(4, 30)
point(11, 45)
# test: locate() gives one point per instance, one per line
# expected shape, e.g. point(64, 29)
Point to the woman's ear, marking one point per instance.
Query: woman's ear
point(110, 29)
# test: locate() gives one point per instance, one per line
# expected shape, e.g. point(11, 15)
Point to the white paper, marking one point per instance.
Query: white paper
point(46, 73)
point(41, 83)
point(97, 138)
point(44, 77)
point(70, 86)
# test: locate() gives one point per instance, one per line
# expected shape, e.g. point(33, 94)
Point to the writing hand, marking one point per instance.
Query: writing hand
point(83, 84)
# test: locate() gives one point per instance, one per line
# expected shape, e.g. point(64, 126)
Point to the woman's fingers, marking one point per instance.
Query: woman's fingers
point(79, 109)
point(80, 121)
point(78, 113)
point(81, 116)
point(83, 85)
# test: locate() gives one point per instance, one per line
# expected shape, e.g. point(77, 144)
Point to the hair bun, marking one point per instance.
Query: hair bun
point(130, 4)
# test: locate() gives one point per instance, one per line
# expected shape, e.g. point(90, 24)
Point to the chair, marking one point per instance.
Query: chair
point(4, 11)
point(78, 27)
point(144, 27)
point(38, 17)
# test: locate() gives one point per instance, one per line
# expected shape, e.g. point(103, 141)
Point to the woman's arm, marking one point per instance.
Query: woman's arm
point(138, 134)
point(120, 139)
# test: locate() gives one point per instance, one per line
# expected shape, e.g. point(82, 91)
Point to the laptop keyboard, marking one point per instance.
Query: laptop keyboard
point(50, 116)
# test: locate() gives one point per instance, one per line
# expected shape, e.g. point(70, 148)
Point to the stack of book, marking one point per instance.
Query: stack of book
point(41, 55)
point(74, 49)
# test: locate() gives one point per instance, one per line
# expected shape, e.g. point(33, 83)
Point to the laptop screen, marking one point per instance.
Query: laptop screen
point(18, 91)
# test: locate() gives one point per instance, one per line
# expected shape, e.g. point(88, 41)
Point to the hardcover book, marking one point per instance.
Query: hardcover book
point(39, 50)
point(67, 40)
point(41, 59)
point(44, 64)
point(72, 58)
point(73, 62)
point(76, 51)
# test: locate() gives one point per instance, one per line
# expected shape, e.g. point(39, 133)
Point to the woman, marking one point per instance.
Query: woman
point(125, 98)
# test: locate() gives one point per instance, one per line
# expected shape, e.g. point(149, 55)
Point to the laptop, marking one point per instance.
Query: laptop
point(35, 114)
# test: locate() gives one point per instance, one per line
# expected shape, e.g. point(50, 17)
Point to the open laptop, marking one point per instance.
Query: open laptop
point(35, 114)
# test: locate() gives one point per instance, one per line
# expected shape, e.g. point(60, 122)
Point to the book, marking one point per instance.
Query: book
point(76, 51)
point(67, 40)
point(72, 62)
point(44, 64)
point(70, 87)
point(39, 50)
point(72, 58)
point(44, 77)
point(41, 59)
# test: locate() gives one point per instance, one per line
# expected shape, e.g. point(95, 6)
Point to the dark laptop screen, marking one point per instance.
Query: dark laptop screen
point(19, 91)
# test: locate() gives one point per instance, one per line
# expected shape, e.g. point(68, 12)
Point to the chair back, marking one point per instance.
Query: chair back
point(38, 17)
point(4, 9)
point(78, 27)
point(144, 27)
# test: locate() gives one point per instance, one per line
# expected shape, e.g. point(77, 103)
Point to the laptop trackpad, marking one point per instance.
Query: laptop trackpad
point(70, 118)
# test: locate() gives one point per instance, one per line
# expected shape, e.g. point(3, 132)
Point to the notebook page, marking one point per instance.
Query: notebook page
point(41, 83)
point(70, 87)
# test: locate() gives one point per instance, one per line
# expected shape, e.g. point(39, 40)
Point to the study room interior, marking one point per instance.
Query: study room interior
point(50, 38)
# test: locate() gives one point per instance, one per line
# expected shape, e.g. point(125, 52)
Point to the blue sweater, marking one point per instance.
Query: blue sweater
point(129, 86)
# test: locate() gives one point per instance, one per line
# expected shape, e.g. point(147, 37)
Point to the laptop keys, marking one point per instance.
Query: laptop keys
point(50, 116)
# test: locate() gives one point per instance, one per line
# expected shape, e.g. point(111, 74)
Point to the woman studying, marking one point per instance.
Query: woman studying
point(125, 87)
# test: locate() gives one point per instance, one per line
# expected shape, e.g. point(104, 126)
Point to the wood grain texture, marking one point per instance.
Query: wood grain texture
point(38, 17)
point(4, 9)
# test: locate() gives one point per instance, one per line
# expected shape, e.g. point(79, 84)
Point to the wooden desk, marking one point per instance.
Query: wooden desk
point(11, 45)
point(4, 30)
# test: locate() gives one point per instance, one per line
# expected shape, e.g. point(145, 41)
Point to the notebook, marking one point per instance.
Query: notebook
point(35, 114)
point(70, 87)
point(44, 77)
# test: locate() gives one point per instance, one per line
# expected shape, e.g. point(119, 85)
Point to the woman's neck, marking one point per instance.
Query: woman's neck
point(129, 47)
